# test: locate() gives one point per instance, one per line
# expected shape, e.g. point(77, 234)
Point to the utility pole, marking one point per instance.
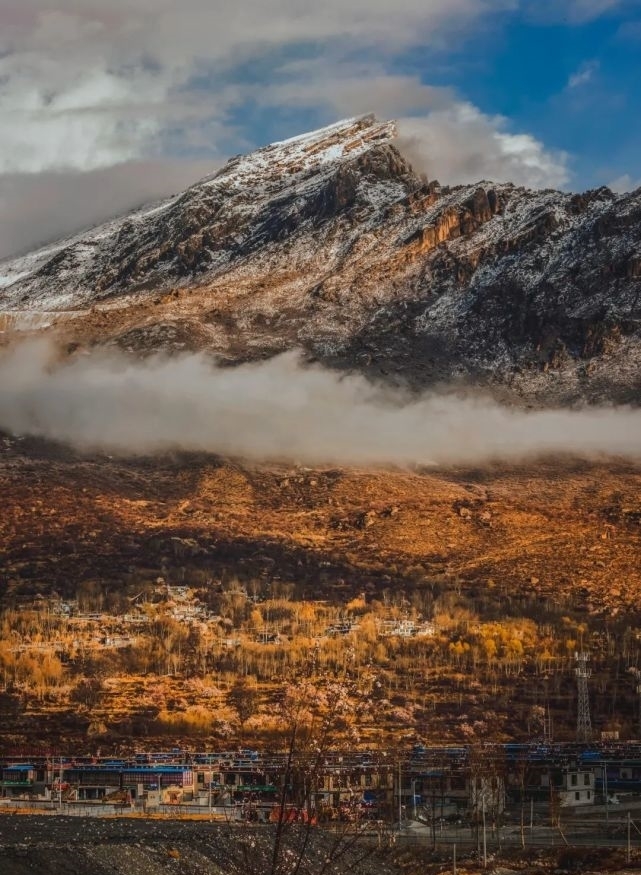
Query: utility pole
point(583, 722)
point(547, 723)
point(484, 833)
point(627, 852)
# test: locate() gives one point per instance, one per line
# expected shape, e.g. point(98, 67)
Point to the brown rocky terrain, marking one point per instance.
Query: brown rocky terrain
point(570, 529)
point(76, 845)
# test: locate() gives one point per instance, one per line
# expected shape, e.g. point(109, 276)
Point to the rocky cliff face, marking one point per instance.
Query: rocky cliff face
point(331, 242)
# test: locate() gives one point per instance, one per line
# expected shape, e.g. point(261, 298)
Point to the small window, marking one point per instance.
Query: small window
point(573, 779)
point(586, 779)
point(589, 795)
point(577, 795)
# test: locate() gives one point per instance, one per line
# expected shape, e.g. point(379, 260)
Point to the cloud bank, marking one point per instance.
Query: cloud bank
point(91, 84)
point(281, 410)
point(37, 208)
point(459, 144)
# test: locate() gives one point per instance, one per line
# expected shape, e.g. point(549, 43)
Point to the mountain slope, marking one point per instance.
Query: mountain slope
point(332, 242)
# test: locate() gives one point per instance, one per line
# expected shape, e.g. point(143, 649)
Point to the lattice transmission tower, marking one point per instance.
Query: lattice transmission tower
point(636, 674)
point(583, 722)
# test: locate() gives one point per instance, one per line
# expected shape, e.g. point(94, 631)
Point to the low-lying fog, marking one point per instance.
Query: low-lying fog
point(281, 410)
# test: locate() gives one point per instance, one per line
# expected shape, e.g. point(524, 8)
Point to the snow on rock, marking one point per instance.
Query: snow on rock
point(155, 244)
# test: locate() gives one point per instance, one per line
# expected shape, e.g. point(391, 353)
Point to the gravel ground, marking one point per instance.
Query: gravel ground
point(31, 845)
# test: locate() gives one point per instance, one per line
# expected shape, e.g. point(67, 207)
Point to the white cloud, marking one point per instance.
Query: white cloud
point(624, 183)
point(55, 117)
point(583, 75)
point(462, 144)
point(31, 142)
point(345, 89)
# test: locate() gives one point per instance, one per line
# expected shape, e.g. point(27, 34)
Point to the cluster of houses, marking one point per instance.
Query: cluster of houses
point(405, 628)
point(181, 605)
point(426, 783)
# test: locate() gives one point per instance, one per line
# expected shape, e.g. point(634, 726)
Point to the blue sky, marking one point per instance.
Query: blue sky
point(574, 86)
point(107, 103)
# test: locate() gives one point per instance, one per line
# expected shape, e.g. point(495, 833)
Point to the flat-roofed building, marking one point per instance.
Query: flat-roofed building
point(17, 779)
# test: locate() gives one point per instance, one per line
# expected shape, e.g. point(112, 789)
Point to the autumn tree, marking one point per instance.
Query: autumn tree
point(244, 698)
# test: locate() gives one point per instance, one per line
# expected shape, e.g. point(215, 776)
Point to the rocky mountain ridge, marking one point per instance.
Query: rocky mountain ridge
point(331, 242)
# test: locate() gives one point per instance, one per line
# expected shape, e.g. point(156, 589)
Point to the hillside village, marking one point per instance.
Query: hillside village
point(182, 605)
point(219, 662)
point(49, 646)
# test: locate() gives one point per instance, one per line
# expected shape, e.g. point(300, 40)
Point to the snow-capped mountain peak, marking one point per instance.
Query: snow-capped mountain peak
point(331, 242)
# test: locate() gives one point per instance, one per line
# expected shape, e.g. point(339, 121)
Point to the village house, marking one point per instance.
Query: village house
point(575, 787)
point(571, 785)
point(17, 779)
point(405, 628)
point(357, 788)
point(174, 783)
